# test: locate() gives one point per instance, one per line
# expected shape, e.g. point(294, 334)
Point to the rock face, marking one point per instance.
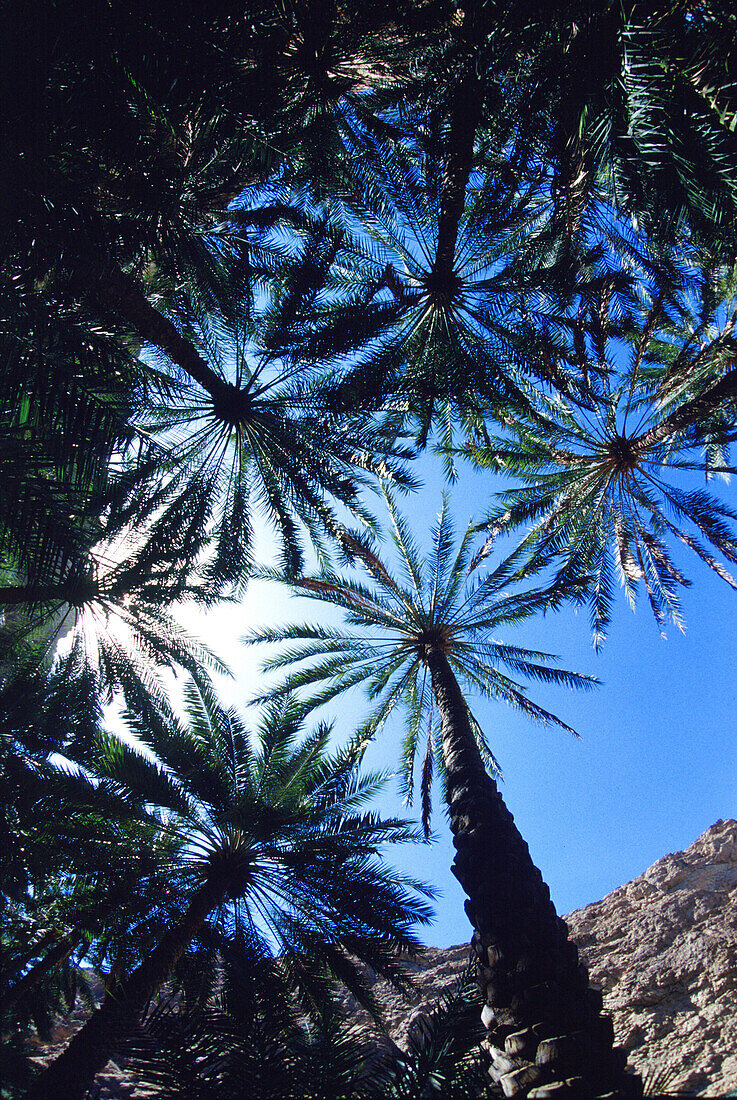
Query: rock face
point(663, 949)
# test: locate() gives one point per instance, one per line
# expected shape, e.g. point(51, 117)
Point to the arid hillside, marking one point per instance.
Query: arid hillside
point(663, 949)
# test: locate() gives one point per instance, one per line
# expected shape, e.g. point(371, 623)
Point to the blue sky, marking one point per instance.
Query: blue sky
point(657, 761)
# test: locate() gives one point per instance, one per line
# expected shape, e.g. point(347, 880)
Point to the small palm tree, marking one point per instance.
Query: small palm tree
point(441, 1056)
point(225, 1048)
point(274, 850)
point(420, 635)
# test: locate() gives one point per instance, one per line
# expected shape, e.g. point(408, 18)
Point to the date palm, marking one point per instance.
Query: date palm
point(226, 1049)
point(262, 439)
point(441, 204)
point(607, 469)
point(73, 882)
point(633, 102)
point(426, 321)
point(420, 636)
point(444, 601)
point(121, 237)
point(274, 849)
point(102, 623)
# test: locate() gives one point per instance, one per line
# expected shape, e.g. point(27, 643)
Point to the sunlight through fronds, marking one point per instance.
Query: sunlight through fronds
point(443, 598)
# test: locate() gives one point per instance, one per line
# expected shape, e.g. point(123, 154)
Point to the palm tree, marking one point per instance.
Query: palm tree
point(73, 883)
point(421, 634)
point(121, 237)
point(605, 467)
point(100, 626)
point(226, 1048)
point(131, 234)
point(441, 1056)
point(464, 144)
point(510, 162)
point(425, 327)
point(275, 851)
point(267, 443)
point(631, 102)
point(663, 129)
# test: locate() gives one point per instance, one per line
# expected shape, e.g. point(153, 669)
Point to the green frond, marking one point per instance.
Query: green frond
point(131, 775)
point(448, 599)
point(602, 483)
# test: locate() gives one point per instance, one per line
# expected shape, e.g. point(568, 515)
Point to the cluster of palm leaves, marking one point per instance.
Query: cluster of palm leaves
point(615, 465)
point(444, 599)
point(256, 257)
point(228, 1050)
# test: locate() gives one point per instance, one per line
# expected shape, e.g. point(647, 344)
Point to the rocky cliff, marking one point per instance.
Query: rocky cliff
point(663, 949)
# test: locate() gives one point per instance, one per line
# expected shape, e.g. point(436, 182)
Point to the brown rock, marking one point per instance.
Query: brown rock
point(663, 949)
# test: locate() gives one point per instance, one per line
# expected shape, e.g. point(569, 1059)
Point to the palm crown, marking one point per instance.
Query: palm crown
point(443, 601)
point(426, 314)
point(265, 442)
point(271, 850)
point(276, 821)
point(604, 462)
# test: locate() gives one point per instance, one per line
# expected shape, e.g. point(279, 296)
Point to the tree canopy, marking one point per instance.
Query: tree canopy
point(256, 258)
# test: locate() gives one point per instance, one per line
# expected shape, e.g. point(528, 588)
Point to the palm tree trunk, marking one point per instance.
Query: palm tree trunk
point(468, 98)
point(119, 293)
point(544, 1021)
point(71, 1074)
point(14, 595)
point(53, 958)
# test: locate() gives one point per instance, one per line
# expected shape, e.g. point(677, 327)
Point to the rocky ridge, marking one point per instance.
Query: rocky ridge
point(663, 950)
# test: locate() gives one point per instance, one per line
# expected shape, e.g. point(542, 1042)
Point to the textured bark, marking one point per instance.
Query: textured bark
point(14, 595)
point(53, 958)
point(544, 1021)
point(465, 118)
point(119, 293)
point(71, 1074)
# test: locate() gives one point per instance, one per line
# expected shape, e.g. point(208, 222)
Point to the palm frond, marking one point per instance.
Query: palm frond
point(446, 600)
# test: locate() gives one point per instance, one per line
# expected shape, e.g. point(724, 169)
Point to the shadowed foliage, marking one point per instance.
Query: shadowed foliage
point(230, 1047)
point(272, 851)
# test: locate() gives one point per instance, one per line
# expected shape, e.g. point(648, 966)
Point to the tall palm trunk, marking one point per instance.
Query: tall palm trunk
point(464, 121)
point(72, 1073)
point(58, 954)
point(119, 293)
point(544, 1021)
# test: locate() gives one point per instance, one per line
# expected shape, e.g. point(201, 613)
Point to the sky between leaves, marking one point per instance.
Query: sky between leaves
point(657, 762)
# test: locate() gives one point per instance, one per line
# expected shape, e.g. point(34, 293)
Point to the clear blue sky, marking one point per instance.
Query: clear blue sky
point(657, 763)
